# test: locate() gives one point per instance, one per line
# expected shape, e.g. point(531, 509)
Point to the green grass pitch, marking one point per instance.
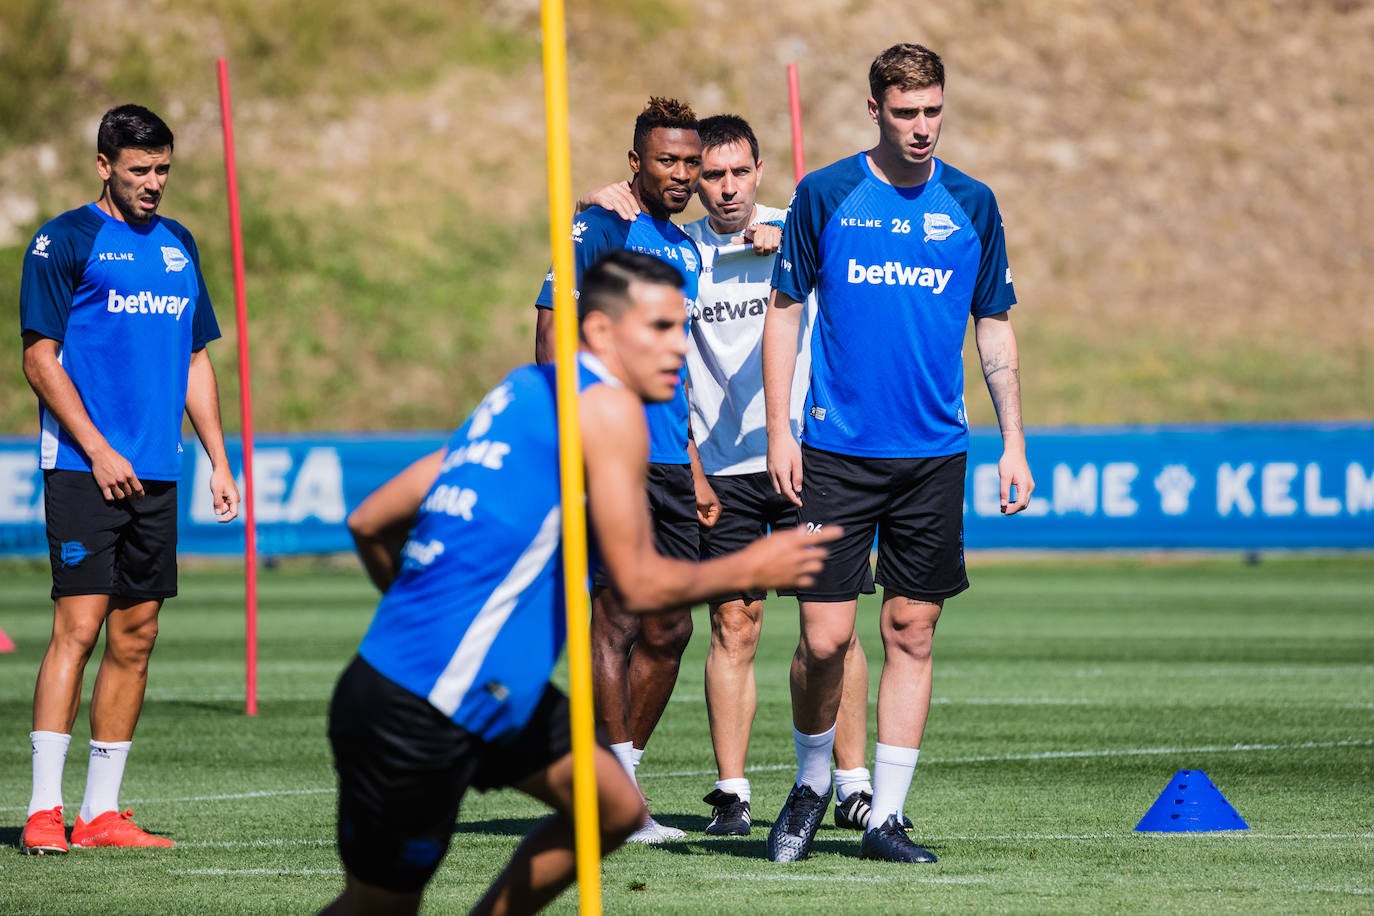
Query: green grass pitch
point(1067, 694)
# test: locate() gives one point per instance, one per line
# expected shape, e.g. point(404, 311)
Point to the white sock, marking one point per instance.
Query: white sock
point(624, 752)
point(49, 759)
point(738, 786)
point(847, 782)
point(636, 756)
point(893, 768)
point(813, 758)
point(103, 778)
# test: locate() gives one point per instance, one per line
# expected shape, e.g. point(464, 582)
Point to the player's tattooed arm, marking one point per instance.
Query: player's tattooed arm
point(1002, 371)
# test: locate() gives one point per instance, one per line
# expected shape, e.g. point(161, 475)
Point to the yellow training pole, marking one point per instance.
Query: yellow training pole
point(585, 816)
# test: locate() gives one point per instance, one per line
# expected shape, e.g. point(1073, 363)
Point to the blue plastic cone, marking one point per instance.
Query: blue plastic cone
point(1190, 803)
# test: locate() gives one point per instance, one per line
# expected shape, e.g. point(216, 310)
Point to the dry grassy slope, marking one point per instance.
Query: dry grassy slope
point(1185, 186)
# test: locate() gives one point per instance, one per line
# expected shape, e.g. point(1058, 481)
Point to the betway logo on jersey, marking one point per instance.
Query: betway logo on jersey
point(895, 273)
point(729, 311)
point(145, 303)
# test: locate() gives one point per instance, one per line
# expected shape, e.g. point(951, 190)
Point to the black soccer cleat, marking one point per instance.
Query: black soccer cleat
point(889, 843)
point(853, 813)
point(729, 814)
point(796, 825)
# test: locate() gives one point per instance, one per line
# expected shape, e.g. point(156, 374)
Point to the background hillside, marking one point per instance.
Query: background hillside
point(1186, 187)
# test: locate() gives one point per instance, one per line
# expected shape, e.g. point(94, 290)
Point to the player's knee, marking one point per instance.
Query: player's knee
point(75, 641)
point(668, 634)
point(133, 645)
point(819, 648)
point(915, 639)
point(735, 630)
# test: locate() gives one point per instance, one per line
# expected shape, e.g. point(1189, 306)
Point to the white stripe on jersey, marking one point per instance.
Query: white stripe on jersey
point(462, 668)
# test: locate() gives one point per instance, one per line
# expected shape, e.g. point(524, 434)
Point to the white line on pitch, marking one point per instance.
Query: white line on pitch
point(1058, 755)
point(231, 872)
point(931, 759)
point(858, 879)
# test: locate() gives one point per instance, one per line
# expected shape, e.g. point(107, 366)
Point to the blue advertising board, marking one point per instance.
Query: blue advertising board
point(1235, 486)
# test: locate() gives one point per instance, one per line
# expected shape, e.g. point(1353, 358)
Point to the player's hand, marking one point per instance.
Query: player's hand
point(115, 476)
point(224, 494)
point(785, 467)
point(1014, 471)
point(618, 198)
point(791, 558)
point(766, 239)
point(708, 504)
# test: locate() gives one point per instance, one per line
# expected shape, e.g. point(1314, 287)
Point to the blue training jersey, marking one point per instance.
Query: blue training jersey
point(597, 231)
point(897, 273)
point(128, 305)
point(474, 621)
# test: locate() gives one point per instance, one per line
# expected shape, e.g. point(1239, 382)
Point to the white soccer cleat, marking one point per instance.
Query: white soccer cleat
point(653, 833)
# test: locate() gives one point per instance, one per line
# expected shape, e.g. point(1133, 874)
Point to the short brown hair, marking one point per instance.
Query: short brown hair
point(906, 66)
point(661, 112)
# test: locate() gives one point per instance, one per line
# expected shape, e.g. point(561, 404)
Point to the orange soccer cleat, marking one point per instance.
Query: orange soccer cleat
point(114, 829)
point(44, 833)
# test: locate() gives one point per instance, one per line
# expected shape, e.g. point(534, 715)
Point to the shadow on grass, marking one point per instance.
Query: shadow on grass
point(755, 846)
point(509, 826)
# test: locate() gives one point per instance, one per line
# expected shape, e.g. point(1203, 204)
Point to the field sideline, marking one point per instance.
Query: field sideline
point(1067, 694)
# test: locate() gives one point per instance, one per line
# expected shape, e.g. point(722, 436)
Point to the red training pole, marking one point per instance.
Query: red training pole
point(794, 104)
point(250, 551)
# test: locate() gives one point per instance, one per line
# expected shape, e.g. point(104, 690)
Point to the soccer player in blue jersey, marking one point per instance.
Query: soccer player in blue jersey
point(450, 688)
point(738, 239)
point(115, 319)
point(900, 249)
point(635, 659)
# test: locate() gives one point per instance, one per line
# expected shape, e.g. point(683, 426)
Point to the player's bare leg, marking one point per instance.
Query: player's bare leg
point(817, 675)
point(731, 691)
point(613, 636)
point(654, 664)
point(117, 698)
point(904, 687)
point(851, 724)
point(77, 620)
point(545, 862)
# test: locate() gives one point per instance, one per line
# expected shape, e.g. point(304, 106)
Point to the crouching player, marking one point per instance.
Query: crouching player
point(450, 688)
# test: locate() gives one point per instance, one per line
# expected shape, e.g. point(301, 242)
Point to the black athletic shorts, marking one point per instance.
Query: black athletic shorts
point(673, 508)
point(749, 508)
point(404, 767)
point(914, 506)
point(127, 547)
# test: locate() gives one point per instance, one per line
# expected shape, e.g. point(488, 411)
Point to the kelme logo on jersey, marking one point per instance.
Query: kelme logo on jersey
point(938, 227)
point(40, 246)
point(145, 303)
point(175, 259)
point(895, 273)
